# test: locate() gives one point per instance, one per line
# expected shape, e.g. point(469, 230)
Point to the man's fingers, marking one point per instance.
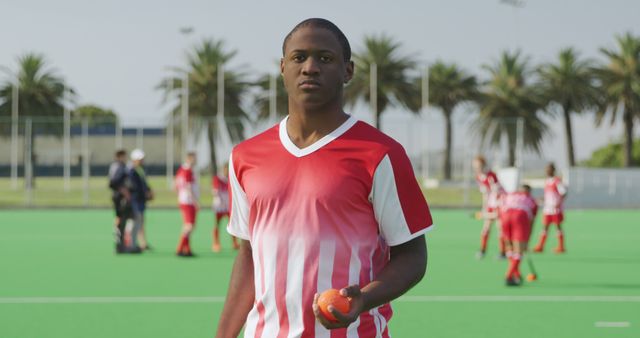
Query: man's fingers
point(343, 319)
point(350, 291)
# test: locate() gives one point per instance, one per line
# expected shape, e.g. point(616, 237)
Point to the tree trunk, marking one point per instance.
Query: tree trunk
point(211, 135)
point(569, 136)
point(628, 138)
point(512, 149)
point(448, 145)
point(378, 120)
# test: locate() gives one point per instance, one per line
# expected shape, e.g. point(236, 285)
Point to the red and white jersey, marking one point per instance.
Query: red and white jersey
point(519, 201)
point(490, 188)
point(321, 217)
point(185, 181)
point(554, 191)
point(221, 190)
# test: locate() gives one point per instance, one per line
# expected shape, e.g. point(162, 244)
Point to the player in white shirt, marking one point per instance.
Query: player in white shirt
point(186, 183)
point(555, 193)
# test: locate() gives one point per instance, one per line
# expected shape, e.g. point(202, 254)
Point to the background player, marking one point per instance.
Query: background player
point(140, 193)
point(518, 210)
point(120, 197)
point(554, 194)
point(188, 194)
point(220, 191)
point(490, 189)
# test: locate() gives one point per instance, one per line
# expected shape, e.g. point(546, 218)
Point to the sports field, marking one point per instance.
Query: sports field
point(60, 278)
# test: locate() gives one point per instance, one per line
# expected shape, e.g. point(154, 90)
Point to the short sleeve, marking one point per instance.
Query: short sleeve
point(239, 217)
point(398, 203)
point(562, 189)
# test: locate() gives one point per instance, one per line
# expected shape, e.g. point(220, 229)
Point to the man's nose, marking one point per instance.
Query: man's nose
point(310, 66)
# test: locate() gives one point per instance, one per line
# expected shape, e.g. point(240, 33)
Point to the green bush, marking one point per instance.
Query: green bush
point(610, 156)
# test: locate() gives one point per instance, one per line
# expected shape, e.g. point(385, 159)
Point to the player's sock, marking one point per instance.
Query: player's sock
point(502, 247)
point(184, 240)
point(514, 263)
point(484, 238)
point(543, 238)
point(560, 241)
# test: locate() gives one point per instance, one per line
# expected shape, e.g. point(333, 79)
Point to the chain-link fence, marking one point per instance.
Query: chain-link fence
point(52, 162)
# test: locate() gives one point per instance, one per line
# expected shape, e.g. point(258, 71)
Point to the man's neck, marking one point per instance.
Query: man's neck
point(305, 127)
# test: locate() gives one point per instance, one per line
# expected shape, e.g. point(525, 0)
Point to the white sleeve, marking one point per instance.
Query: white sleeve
point(239, 217)
point(399, 206)
point(562, 189)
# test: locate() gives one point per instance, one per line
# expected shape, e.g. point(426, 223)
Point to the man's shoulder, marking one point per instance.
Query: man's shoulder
point(372, 137)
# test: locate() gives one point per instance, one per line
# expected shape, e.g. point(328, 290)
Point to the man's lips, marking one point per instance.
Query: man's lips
point(308, 84)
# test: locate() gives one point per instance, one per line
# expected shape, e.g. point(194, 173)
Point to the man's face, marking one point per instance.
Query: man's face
point(191, 160)
point(313, 68)
point(122, 158)
point(550, 170)
point(478, 166)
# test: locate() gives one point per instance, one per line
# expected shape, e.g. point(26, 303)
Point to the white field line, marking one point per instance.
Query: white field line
point(613, 324)
point(405, 299)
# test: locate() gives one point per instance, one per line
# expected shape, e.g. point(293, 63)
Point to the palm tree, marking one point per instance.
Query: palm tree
point(394, 86)
point(450, 86)
point(41, 95)
point(507, 98)
point(620, 88)
point(202, 68)
point(568, 85)
point(262, 100)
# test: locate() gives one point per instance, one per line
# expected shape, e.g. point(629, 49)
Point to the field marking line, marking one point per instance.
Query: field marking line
point(613, 324)
point(405, 299)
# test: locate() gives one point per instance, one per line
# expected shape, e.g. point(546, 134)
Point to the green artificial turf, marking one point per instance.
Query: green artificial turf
point(49, 254)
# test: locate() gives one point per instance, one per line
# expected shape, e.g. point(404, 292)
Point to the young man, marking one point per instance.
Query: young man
point(554, 194)
point(140, 194)
point(321, 201)
point(186, 183)
point(120, 197)
point(491, 190)
point(220, 192)
point(518, 211)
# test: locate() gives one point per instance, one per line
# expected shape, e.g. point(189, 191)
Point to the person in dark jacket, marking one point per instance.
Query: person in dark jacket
point(120, 197)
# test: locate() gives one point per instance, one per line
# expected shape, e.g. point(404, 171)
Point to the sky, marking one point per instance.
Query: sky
point(113, 53)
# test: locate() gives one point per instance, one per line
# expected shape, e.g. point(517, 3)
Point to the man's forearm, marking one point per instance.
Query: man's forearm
point(405, 269)
point(240, 295)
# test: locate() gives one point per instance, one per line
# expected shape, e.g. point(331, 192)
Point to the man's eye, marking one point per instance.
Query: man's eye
point(326, 58)
point(298, 58)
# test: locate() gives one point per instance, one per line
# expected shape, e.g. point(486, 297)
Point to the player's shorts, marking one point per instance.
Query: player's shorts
point(122, 207)
point(516, 226)
point(553, 219)
point(188, 213)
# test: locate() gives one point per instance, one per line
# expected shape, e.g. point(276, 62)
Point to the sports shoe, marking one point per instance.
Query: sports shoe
point(537, 249)
point(513, 282)
point(502, 255)
point(559, 250)
point(480, 254)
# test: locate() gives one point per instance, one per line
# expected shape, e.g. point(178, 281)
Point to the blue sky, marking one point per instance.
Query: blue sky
point(114, 52)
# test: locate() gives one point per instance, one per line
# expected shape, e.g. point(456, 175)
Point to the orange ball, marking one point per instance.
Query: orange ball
point(333, 297)
point(531, 277)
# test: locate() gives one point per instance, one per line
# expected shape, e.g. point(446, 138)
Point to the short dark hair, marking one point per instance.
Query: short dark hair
point(328, 25)
point(526, 187)
point(120, 153)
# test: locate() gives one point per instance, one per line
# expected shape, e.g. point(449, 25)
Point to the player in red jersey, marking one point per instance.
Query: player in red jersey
point(517, 212)
point(491, 190)
point(554, 194)
point(186, 183)
point(321, 201)
point(220, 192)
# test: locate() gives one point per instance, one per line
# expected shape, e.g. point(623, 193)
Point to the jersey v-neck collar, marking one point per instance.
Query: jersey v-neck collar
point(298, 152)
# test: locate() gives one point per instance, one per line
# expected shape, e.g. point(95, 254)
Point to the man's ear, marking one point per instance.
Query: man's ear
point(349, 72)
point(281, 66)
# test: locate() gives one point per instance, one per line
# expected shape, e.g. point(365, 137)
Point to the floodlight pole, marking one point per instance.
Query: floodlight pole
point(14, 135)
point(67, 141)
point(184, 121)
point(170, 143)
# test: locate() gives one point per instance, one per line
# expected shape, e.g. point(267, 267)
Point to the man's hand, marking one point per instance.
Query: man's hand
point(344, 319)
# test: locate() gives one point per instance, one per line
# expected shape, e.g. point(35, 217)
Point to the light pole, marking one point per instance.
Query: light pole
point(184, 117)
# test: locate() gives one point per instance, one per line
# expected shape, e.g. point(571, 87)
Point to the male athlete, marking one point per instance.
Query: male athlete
point(186, 184)
point(491, 190)
point(554, 194)
point(220, 192)
point(121, 198)
point(518, 210)
point(321, 201)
